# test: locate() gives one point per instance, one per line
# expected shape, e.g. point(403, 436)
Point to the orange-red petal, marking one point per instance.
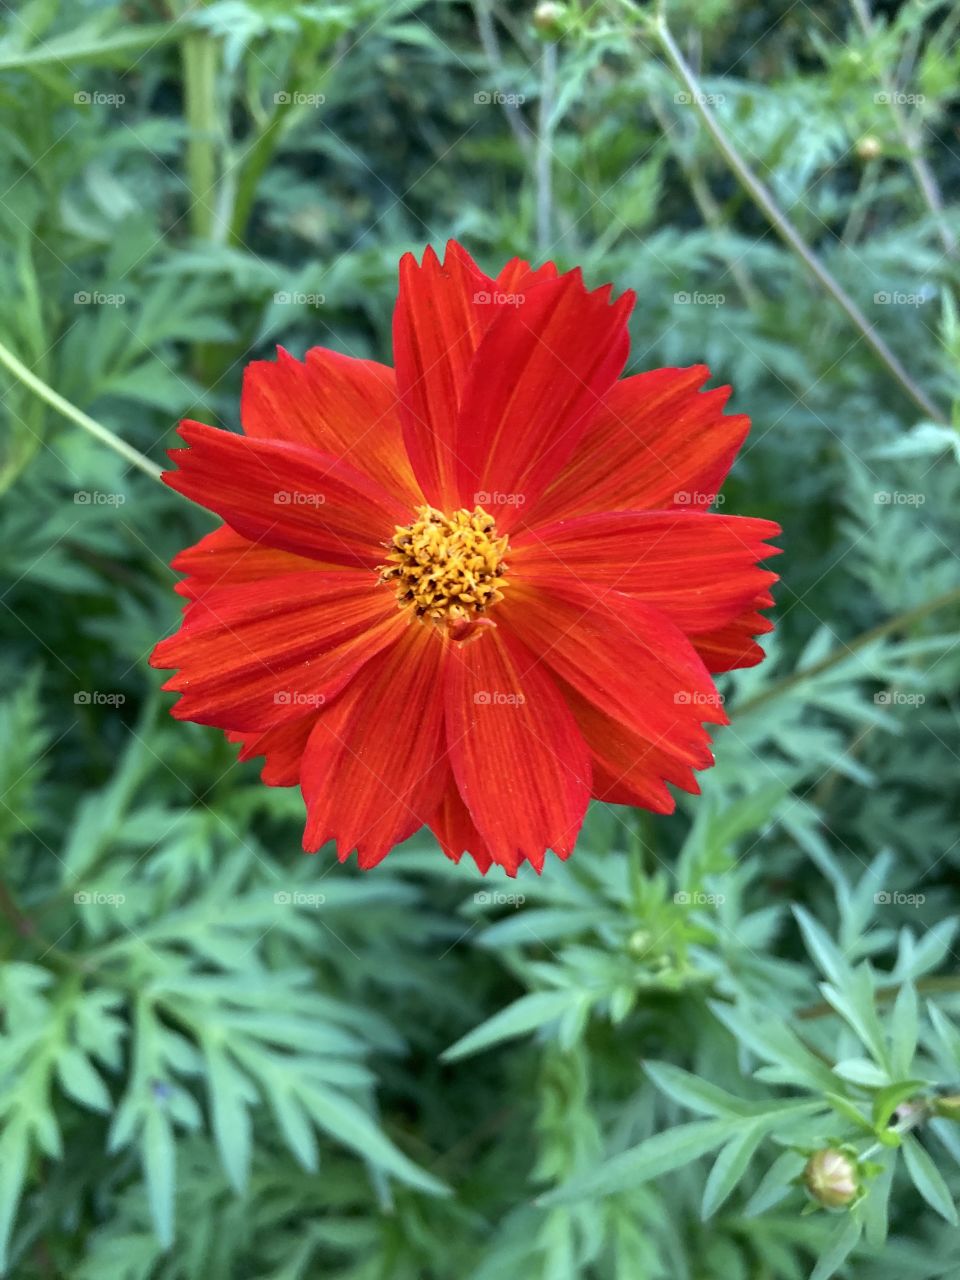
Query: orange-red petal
point(697, 568)
point(374, 767)
point(457, 832)
point(656, 442)
point(517, 277)
point(223, 558)
point(335, 404)
point(441, 314)
point(282, 748)
point(627, 767)
point(625, 658)
point(540, 372)
point(286, 496)
point(519, 760)
point(732, 646)
point(254, 656)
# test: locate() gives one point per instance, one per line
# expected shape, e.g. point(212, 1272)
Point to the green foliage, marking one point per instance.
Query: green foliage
point(221, 1059)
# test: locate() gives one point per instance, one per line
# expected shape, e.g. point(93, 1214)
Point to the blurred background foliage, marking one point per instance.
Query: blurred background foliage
point(222, 1059)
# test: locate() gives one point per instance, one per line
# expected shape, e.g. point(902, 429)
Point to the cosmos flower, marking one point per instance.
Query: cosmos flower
point(478, 589)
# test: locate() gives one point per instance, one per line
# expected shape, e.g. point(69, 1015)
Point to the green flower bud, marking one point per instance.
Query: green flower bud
point(832, 1177)
point(639, 942)
point(869, 147)
point(549, 20)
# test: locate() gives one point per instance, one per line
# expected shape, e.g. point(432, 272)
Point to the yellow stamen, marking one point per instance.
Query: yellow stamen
point(448, 569)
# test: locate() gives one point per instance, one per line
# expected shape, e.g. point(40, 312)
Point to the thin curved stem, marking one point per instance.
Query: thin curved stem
point(548, 86)
point(915, 157)
point(252, 170)
point(70, 411)
point(24, 927)
point(933, 985)
point(898, 623)
point(491, 47)
point(785, 228)
point(709, 209)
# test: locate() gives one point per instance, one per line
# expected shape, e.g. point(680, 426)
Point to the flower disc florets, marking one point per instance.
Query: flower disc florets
point(449, 569)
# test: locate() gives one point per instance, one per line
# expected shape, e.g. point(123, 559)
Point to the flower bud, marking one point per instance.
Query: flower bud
point(549, 20)
point(639, 942)
point(831, 1177)
point(869, 147)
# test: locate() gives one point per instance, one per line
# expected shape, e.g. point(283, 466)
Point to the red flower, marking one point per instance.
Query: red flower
point(476, 590)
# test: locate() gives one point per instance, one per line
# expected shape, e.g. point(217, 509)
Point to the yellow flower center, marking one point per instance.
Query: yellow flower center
point(448, 569)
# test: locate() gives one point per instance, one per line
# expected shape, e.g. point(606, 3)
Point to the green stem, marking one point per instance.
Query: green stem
point(253, 168)
point(8, 907)
point(24, 927)
point(544, 157)
point(709, 209)
point(257, 156)
point(915, 157)
point(491, 48)
point(786, 230)
point(200, 56)
point(898, 623)
point(919, 1114)
point(64, 407)
point(938, 984)
point(861, 203)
